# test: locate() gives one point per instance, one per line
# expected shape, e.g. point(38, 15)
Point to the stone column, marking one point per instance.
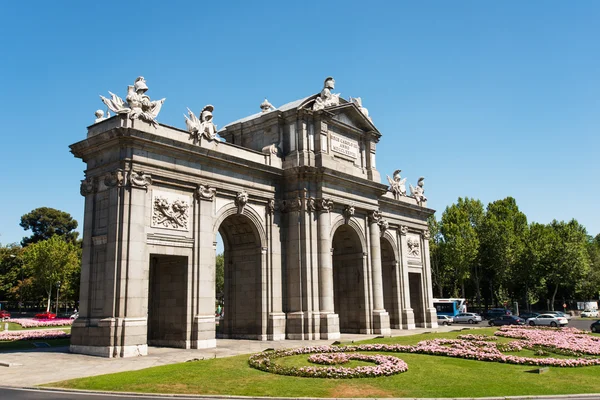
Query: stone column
point(381, 319)
point(330, 322)
point(430, 312)
point(276, 322)
point(408, 317)
point(203, 324)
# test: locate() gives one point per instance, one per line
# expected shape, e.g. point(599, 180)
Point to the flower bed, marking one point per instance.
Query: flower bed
point(385, 365)
point(569, 341)
point(37, 323)
point(475, 347)
point(33, 335)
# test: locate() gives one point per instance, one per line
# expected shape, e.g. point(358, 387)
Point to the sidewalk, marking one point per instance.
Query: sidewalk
point(39, 366)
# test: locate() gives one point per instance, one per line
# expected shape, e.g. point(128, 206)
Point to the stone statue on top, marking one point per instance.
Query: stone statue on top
point(203, 127)
point(418, 192)
point(326, 98)
point(137, 105)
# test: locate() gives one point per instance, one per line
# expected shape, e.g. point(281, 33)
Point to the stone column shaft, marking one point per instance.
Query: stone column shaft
point(376, 267)
point(325, 267)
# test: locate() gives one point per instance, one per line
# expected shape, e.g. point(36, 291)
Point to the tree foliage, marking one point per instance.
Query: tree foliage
point(220, 276)
point(46, 222)
point(52, 261)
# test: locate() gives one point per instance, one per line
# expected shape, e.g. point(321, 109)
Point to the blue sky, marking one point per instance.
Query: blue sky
point(484, 99)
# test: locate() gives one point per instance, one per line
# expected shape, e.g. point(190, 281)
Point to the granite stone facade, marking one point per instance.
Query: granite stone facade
point(314, 244)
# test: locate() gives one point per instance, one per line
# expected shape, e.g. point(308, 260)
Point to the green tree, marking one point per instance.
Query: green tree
point(220, 276)
point(568, 260)
point(10, 270)
point(590, 284)
point(502, 236)
point(52, 261)
point(46, 222)
point(460, 245)
point(439, 275)
point(529, 279)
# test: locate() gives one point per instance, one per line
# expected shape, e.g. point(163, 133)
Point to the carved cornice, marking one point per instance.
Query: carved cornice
point(114, 178)
point(205, 193)
point(374, 216)
point(241, 199)
point(140, 179)
point(88, 186)
point(403, 229)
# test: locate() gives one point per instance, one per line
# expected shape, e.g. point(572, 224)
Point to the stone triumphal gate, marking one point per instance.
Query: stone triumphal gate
point(314, 244)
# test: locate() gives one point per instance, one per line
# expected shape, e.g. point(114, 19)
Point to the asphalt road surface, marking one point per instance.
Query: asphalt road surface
point(34, 394)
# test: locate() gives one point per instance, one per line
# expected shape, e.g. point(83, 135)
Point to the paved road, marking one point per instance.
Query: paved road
point(33, 394)
point(581, 323)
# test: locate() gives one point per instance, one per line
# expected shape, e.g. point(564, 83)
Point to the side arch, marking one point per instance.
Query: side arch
point(390, 271)
point(339, 221)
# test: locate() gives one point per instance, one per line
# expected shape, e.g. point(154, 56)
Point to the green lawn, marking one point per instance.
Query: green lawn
point(16, 327)
point(428, 376)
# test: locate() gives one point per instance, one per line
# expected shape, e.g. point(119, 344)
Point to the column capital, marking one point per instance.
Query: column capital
point(88, 186)
point(139, 179)
point(375, 216)
point(403, 230)
point(205, 192)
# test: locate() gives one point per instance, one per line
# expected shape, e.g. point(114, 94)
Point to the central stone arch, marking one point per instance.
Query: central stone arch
point(350, 278)
point(244, 246)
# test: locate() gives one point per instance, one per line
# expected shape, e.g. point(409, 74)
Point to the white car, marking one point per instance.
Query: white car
point(588, 313)
point(547, 320)
point(444, 320)
point(467, 318)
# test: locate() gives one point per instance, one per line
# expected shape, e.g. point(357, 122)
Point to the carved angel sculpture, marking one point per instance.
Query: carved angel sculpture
point(418, 192)
point(397, 184)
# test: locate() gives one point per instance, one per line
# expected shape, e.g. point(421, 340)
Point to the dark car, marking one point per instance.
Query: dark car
point(493, 313)
point(595, 327)
point(4, 314)
point(507, 320)
point(526, 315)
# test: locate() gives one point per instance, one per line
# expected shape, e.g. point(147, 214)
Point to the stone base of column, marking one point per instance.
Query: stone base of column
point(276, 326)
point(408, 319)
point(302, 325)
point(110, 337)
point(381, 323)
point(330, 326)
point(431, 318)
point(203, 332)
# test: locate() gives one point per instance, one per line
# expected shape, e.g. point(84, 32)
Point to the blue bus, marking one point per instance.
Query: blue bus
point(450, 307)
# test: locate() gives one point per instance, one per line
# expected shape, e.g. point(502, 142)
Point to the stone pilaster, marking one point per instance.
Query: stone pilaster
point(408, 317)
point(430, 312)
point(330, 323)
point(381, 319)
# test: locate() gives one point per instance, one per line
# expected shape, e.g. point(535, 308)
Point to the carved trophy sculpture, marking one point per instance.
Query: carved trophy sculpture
point(203, 127)
point(265, 106)
point(100, 116)
point(418, 192)
point(327, 99)
point(138, 105)
point(397, 184)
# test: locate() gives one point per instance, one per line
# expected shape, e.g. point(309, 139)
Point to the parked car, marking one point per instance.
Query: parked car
point(496, 312)
point(587, 313)
point(527, 315)
point(444, 320)
point(547, 320)
point(595, 327)
point(558, 314)
point(4, 314)
point(467, 318)
point(45, 315)
point(507, 320)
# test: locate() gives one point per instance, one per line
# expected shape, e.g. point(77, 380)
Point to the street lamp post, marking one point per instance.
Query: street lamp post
point(57, 288)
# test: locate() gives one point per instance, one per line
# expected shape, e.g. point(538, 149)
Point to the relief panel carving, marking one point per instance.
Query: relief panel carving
point(170, 210)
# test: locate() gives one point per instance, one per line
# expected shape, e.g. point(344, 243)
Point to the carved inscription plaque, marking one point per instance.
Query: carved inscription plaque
point(345, 146)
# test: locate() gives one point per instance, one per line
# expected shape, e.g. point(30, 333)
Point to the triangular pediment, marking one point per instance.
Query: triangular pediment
point(351, 115)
